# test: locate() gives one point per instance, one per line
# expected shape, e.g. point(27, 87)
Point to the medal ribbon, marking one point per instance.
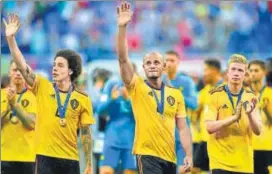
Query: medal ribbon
point(62, 109)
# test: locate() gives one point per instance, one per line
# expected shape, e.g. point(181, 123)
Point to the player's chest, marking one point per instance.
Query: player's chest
point(162, 102)
point(71, 104)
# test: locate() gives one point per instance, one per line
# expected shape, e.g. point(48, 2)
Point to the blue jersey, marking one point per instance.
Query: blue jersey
point(120, 128)
point(188, 89)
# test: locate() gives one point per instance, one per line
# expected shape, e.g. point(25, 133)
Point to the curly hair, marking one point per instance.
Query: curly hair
point(74, 62)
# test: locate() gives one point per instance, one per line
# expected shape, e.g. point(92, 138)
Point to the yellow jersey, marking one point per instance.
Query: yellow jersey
point(194, 125)
point(17, 142)
point(230, 148)
point(52, 139)
point(263, 142)
point(155, 132)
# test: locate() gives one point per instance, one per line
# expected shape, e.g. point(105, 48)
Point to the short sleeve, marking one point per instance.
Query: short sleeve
point(181, 111)
point(210, 109)
point(39, 84)
point(133, 84)
point(87, 116)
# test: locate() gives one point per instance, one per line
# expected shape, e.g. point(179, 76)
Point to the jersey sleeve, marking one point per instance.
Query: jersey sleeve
point(181, 111)
point(210, 109)
point(39, 84)
point(136, 80)
point(87, 116)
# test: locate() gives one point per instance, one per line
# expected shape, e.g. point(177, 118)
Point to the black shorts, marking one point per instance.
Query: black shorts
point(9, 167)
point(51, 165)
point(262, 159)
point(219, 171)
point(201, 158)
point(153, 165)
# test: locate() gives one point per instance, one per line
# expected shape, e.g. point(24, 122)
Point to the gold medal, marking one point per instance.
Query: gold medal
point(14, 120)
point(63, 122)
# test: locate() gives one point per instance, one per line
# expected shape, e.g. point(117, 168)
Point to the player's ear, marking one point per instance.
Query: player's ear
point(164, 66)
point(70, 72)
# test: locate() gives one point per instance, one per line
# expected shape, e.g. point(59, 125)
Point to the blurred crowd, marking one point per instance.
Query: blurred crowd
point(89, 27)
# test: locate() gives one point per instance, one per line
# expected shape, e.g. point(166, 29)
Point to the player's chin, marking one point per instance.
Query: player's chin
point(153, 76)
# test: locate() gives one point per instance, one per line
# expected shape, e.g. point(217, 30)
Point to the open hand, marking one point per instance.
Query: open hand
point(11, 93)
point(13, 25)
point(124, 14)
point(250, 106)
point(238, 111)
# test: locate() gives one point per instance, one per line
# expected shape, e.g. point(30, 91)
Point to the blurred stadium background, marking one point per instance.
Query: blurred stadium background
point(195, 30)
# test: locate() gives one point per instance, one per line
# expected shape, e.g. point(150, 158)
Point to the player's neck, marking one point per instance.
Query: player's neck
point(235, 88)
point(64, 85)
point(216, 79)
point(257, 86)
point(172, 75)
point(155, 83)
point(20, 87)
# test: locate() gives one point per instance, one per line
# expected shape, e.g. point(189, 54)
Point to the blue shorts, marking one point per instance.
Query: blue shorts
point(180, 154)
point(112, 156)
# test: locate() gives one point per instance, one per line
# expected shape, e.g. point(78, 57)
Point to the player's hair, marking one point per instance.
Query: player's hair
point(74, 62)
point(257, 62)
point(172, 52)
point(237, 58)
point(214, 63)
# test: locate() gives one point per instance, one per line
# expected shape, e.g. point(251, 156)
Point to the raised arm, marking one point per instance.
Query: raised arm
point(12, 26)
point(124, 16)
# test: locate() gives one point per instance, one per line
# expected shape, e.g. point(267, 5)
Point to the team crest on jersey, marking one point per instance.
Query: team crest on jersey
point(150, 93)
point(74, 104)
point(225, 106)
point(53, 95)
point(25, 103)
point(171, 100)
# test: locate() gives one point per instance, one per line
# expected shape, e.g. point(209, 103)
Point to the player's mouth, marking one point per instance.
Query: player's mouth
point(235, 79)
point(54, 75)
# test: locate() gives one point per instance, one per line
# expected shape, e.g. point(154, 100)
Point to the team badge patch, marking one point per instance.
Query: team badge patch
point(25, 103)
point(74, 104)
point(171, 100)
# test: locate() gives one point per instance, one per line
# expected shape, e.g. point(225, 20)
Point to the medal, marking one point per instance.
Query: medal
point(14, 120)
point(160, 104)
point(62, 109)
point(63, 122)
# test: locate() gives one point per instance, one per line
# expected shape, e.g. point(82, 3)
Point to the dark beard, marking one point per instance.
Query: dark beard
point(153, 78)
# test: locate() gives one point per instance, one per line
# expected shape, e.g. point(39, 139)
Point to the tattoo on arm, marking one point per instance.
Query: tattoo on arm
point(86, 141)
point(28, 75)
point(27, 119)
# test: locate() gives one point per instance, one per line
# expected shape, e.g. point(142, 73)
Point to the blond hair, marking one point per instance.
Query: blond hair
point(237, 58)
